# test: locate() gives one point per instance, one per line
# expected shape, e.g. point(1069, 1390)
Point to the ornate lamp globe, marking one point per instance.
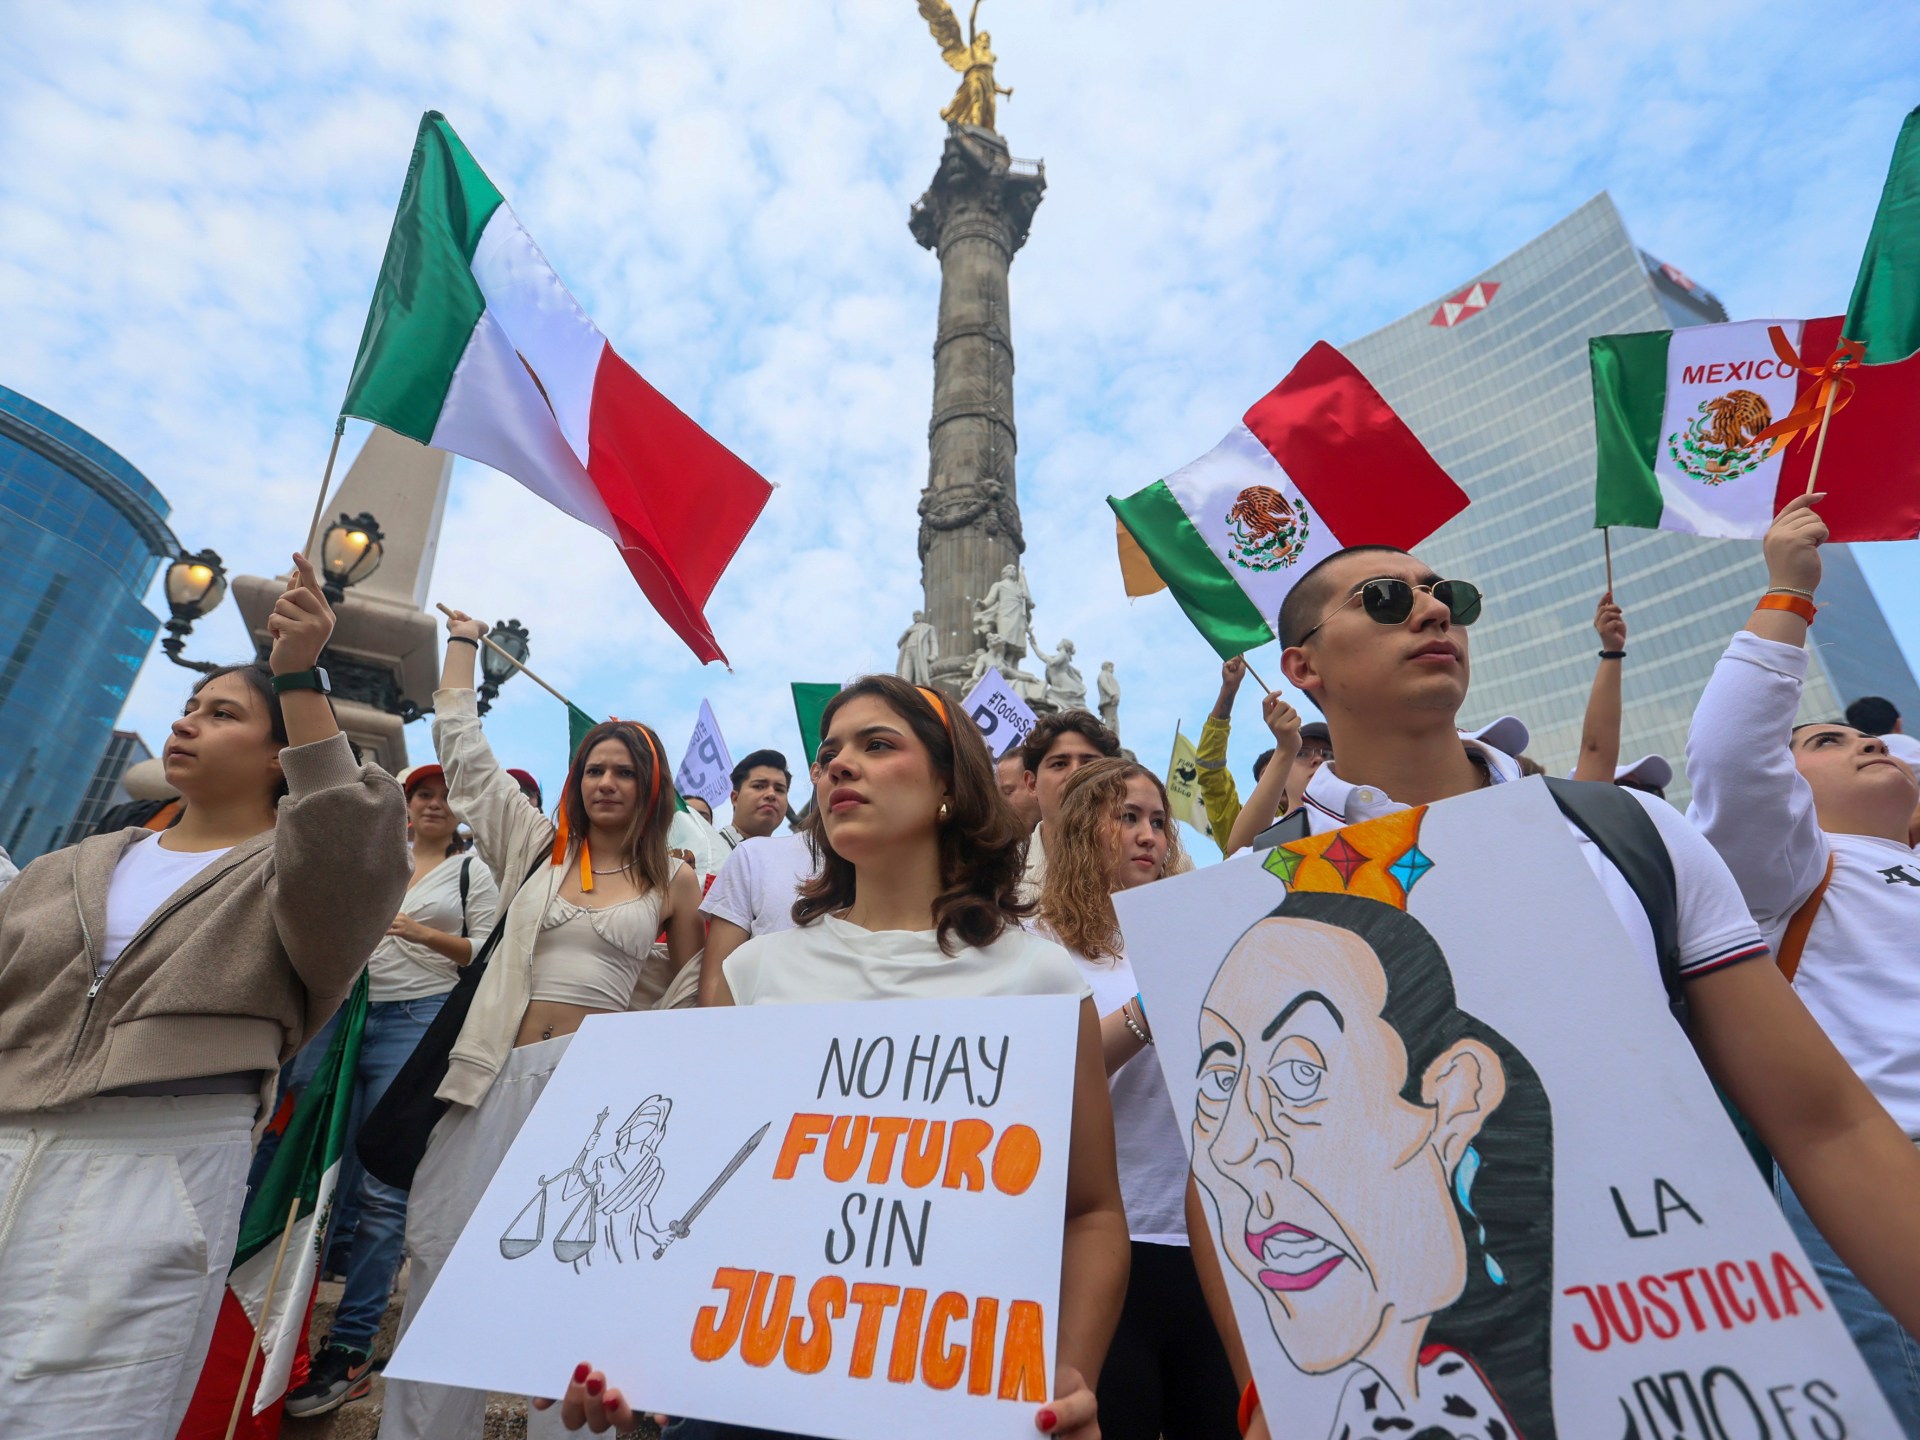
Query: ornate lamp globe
point(350, 551)
point(512, 637)
point(196, 584)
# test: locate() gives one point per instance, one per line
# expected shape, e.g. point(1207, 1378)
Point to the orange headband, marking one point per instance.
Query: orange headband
point(560, 836)
point(939, 707)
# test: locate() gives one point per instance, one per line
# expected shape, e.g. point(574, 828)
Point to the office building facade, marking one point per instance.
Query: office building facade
point(1493, 377)
point(104, 791)
point(83, 532)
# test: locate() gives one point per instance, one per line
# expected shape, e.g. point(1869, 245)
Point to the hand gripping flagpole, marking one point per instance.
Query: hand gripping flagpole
point(516, 662)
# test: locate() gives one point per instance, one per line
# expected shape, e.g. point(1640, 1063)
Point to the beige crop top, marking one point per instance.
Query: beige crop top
point(602, 959)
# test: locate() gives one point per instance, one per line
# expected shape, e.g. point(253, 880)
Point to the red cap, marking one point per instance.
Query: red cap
point(526, 780)
point(418, 774)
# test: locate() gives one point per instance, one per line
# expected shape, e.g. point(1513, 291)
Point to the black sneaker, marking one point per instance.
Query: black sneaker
point(336, 1376)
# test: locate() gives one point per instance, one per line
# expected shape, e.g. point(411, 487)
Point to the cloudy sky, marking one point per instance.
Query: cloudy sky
point(194, 199)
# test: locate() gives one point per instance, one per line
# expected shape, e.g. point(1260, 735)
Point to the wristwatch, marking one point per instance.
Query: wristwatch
point(314, 679)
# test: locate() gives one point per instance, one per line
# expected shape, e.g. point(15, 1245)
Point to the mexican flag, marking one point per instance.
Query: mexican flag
point(474, 346)
point(1319, 463)
point(301, 1178)
point(1711, 429)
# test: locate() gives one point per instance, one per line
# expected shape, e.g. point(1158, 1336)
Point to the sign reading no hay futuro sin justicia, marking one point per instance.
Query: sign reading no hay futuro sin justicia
point(844, 1219)
point(1465, 1175)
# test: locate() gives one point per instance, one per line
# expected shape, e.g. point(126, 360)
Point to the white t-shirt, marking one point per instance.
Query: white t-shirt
point(1715, 928)
point(143, 881)
point(1146, 1132)
point(755, 887)
point(1859, 972)
point(830, 960)
point(405, 970)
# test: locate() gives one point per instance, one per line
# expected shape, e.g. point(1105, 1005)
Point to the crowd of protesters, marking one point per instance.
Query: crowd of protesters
point(157, 984)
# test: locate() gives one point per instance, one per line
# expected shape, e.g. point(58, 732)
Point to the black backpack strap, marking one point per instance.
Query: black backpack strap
point(1624, 832)
point(466, 877)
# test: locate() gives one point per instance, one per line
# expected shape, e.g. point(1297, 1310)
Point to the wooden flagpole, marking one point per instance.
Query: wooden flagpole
point(1820, 441)
point(326, 483)
point(1606, 539)
point(1256, 676)
point(516, 663)
point(266, 1306)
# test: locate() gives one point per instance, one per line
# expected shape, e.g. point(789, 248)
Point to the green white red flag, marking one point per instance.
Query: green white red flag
point(473, 345)
point(1712, 429)
point(1319, 463)
point(301, 1177)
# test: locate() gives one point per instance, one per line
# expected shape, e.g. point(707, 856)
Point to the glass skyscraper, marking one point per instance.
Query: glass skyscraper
point(82, 532)
point(1493, 378)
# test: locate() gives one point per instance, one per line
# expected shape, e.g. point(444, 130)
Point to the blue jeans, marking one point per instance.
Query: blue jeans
point(394, 1028)
point(1890, 1352)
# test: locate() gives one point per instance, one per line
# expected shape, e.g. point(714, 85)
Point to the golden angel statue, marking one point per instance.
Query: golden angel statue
point(973, 103)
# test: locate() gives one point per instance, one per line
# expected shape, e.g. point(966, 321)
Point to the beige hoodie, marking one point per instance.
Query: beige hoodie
point(232, 973)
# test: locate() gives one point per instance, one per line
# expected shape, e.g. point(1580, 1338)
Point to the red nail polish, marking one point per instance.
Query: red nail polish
point(1047, 1420)
point(596, 1385)
point(580, 1372)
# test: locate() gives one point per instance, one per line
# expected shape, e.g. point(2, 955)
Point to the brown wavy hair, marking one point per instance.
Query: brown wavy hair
point(1076, 900)
point(982, 847)
point(643, 849)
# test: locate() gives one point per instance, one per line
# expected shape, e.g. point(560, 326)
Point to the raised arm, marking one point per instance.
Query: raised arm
point(478, 788)
point(1749, 800)
point(1217, 790)
point(1600, 732)
point(1270, 794)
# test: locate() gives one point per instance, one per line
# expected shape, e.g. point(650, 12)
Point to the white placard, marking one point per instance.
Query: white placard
point(1003, 717)
point(847, 1213)
point(707, 769)
point(1460, 1163)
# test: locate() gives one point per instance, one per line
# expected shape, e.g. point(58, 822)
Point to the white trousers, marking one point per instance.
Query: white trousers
point(117, 1223)
point(466, 1147)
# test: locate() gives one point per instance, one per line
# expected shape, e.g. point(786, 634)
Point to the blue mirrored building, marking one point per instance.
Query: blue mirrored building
point(83, 532)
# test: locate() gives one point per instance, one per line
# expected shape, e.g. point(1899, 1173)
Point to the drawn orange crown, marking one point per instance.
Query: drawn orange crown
point(1376, 859)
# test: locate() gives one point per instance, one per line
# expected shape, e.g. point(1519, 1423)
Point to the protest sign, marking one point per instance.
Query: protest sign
point(858, 1235)
point(1003, 717)
point(1464, 1172)
point(707, 769)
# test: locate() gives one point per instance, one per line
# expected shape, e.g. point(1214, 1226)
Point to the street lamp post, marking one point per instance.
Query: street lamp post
point(196, 584)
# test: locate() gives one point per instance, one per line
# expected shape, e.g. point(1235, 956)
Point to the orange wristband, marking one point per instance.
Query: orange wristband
point(1794, 604)
point(1249, 1402)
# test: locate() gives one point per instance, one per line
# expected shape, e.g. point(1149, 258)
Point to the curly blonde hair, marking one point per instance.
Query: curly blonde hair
point(1076, 899)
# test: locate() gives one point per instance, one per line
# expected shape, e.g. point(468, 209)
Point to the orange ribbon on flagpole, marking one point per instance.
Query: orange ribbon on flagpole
point(1820, 401)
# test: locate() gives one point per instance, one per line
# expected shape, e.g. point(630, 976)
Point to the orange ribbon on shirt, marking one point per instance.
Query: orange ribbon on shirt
point(1832, 388)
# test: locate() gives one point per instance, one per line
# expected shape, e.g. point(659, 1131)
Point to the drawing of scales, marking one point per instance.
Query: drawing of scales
point(613, 1187)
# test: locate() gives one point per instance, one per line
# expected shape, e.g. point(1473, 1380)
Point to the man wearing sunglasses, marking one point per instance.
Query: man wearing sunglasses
point(1378, 641)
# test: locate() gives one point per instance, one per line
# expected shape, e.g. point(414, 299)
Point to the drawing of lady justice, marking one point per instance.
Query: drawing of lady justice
point(613, 1184)
point(1380, 1165)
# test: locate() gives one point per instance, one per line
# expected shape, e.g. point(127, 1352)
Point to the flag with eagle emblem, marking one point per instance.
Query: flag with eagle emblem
point(1319, 463)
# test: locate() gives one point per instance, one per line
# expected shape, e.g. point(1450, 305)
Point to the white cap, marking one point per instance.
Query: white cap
point(1508, 735)
point(1648, 770)
point(148, 781)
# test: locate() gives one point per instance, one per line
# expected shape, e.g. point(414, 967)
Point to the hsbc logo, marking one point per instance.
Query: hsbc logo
point(1464, 306)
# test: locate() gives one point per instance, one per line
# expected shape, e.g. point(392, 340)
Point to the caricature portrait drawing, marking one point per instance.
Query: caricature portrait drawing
point(1374, 1156)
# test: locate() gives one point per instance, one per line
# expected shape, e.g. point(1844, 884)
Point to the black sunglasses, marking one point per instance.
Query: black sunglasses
point(1389, 601)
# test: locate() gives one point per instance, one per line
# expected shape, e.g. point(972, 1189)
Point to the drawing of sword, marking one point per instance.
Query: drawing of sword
point(677, 1229)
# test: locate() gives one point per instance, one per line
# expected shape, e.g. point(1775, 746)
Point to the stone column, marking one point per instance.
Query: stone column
point(975, 215)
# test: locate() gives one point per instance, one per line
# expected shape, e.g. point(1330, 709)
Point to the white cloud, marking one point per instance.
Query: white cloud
point(193, 210)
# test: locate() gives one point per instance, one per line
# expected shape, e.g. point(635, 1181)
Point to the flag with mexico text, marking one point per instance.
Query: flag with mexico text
point(1712, 429)
point(473, 345)
point(1319, 463)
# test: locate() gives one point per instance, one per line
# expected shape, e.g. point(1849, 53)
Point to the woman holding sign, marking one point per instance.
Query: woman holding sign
point(151, 984)
point(916, 899)
point(1166, 1372)
point(583, 897)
